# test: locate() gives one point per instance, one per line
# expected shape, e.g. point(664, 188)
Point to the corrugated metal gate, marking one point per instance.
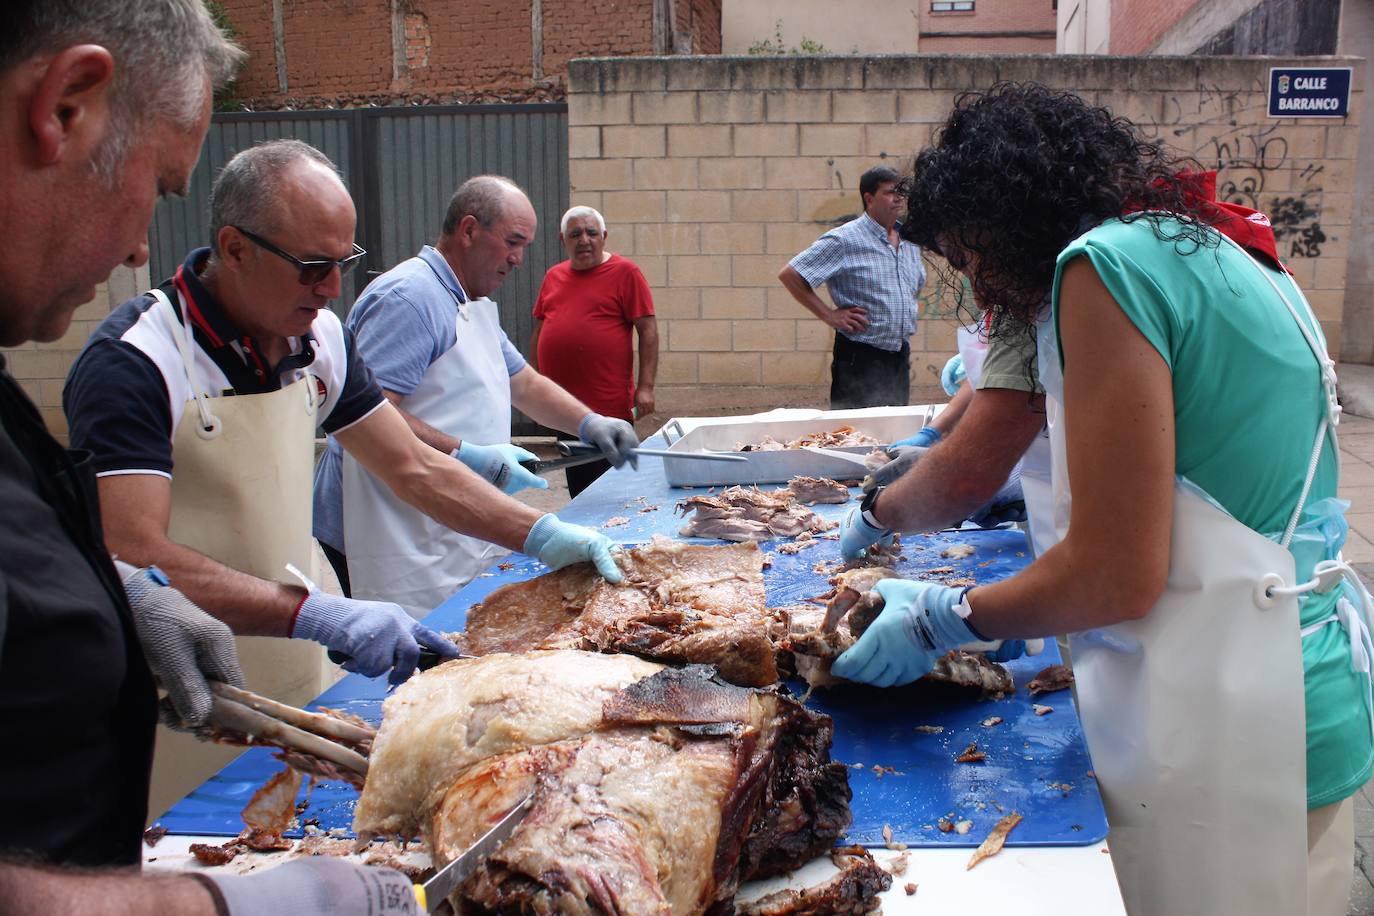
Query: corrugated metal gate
point(401, 166)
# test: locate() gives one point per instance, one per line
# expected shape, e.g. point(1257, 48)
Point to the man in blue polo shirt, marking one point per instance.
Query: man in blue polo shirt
point(873, 276)
point(205, 393)
point(428, 330)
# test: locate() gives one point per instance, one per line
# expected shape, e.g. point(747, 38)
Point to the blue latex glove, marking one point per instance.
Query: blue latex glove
point(376, 635)
point(557, 544)
point(857, 535)
point(499, 465)
point(953, 375)
point(905, 459)
point(918, 624)
point(614, 437)
point(927, 437)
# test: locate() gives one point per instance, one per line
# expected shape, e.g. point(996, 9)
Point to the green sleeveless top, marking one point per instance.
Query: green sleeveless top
point(1247, 403)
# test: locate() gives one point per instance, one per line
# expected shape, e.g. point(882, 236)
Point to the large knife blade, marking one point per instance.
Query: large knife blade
point(436, 890)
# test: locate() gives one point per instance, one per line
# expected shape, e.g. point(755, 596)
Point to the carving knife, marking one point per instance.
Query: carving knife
point(436, 890)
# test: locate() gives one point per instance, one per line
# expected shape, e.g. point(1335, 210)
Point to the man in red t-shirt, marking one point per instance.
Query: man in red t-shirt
point(582, 322)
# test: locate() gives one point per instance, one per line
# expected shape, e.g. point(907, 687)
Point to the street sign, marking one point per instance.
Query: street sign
point(1309, 92)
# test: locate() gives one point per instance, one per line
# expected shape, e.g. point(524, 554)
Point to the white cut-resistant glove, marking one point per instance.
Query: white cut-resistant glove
point(316, 886)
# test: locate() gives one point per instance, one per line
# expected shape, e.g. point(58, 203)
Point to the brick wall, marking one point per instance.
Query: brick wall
point(41, 368)
point(1138, 24)
point(713, 172)
point(377, 51)
point(612, 27)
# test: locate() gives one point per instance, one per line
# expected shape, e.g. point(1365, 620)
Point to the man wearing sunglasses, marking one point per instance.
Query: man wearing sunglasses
point(216, 489)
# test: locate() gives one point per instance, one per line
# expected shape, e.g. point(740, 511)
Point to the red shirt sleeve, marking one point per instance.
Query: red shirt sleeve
point(636, 301)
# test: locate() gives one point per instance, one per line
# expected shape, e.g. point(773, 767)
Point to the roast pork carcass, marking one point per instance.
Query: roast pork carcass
point(678, 603)
point(656, 790)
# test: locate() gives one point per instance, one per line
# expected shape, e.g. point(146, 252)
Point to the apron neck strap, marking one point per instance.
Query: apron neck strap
point(209, 426)
point(1327, 367)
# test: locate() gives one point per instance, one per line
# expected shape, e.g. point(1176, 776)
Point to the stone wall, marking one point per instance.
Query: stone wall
point(713, 172)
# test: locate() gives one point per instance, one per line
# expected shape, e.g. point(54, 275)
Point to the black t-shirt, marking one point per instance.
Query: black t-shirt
point(77, 701)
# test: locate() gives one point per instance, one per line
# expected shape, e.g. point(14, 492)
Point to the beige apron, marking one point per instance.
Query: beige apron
point(241, 495)
point(1195, 714)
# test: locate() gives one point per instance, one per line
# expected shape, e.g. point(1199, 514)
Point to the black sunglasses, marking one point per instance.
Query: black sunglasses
point(312, 272)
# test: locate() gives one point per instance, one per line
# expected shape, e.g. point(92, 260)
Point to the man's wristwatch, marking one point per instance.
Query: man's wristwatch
point(868, 507)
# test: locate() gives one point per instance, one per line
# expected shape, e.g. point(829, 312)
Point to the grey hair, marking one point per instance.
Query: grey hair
point(247, 188)
point(579, 212)
point(483, 197)
point(165, 53)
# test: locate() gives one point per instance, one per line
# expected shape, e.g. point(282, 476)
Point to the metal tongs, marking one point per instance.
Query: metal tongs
point(242, 715)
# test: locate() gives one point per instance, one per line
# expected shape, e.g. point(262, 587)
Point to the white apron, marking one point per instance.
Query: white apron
point(241, 495)
point(396, 552)
point(973, 347)
point(1195, 714)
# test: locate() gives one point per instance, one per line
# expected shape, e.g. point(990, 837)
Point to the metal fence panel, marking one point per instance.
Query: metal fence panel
point(401, 166)
point(182, 224)
point(424, 155)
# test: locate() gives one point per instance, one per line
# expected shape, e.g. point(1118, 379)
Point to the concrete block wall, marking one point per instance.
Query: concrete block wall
point(713, 172)
point(41, 368)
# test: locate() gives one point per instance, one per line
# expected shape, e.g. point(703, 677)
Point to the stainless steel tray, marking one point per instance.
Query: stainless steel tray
point(780, 465)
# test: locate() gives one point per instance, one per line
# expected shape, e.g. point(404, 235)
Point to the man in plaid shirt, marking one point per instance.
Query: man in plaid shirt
point(873, 277)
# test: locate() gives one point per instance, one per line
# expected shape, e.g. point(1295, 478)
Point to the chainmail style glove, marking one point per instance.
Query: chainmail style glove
point(184, 646)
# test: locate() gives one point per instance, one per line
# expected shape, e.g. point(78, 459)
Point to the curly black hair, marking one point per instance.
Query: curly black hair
point(1018, 172)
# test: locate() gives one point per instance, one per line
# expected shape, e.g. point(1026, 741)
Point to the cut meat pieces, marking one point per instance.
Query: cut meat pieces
point(749, 514)
point(840, 437)
point(655, 790)
point(849, 893)
point(812, 490)
point(678, 603)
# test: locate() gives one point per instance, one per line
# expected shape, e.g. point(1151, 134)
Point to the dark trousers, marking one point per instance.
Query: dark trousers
point(866, 376)
point(582, 476)
point(340, 564)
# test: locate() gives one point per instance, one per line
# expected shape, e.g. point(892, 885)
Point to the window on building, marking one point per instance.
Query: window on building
point(951, 6)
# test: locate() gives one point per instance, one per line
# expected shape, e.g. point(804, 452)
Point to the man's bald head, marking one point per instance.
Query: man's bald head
point(484, 198)
point(248, 191)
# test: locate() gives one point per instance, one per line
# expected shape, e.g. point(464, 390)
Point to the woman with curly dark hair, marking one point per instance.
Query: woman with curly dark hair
point(1191, 408)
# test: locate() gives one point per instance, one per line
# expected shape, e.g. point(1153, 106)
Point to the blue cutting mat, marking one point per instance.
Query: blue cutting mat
point(1036, 765)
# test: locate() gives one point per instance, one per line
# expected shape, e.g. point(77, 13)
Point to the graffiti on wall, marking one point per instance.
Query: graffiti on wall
point(1255, 170)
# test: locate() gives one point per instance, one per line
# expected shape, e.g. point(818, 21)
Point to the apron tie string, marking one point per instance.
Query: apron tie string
point(1353, 620)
